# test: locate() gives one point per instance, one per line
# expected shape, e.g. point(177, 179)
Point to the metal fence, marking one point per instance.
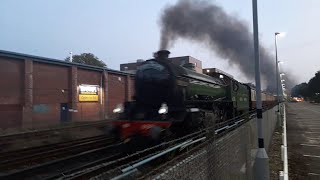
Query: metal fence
point(229, 157)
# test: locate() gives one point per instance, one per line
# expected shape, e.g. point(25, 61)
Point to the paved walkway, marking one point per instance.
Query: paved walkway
point(303, 136)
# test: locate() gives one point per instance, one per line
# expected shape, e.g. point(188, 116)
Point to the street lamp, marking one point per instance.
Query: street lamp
point(276, 34)
point(262, 159)
point(277, 70)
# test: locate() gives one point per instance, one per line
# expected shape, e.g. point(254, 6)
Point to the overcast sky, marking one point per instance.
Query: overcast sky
point(122, 31)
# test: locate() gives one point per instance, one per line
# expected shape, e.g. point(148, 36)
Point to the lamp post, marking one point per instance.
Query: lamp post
point(276, 34)
point(277, 68)
point(262, 159)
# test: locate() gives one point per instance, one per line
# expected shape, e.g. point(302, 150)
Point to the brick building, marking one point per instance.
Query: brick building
point(37, 91)
point(132, 67)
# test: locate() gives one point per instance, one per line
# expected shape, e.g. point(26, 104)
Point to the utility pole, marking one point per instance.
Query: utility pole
point(261, 161)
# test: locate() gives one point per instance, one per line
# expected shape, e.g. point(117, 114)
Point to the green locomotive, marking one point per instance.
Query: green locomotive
point(178, 99)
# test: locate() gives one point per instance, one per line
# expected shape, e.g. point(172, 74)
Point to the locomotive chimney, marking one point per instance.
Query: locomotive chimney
point(162, 54)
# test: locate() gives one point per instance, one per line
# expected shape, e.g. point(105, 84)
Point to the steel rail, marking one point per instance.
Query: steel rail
point(32, 150)
point(43, 170)
point(53, 153)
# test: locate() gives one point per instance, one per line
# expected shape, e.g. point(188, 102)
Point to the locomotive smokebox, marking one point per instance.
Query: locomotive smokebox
point(162, 54)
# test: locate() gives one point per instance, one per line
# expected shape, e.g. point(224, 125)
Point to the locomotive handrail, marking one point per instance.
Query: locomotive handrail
point(206, 101)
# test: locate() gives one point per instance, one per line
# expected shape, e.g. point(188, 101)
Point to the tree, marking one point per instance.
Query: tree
point(310, 90)
point(300, 90)
point(314, 87)
point(314, 84)
point(87, 58)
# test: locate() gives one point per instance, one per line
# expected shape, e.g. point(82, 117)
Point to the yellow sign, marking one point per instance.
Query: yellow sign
point(88, 98)
point(88, 93)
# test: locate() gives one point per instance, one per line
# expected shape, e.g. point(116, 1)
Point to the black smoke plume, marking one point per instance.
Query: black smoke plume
point(228, 36)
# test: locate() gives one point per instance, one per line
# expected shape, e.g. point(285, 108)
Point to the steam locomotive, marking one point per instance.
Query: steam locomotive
point(175, 100)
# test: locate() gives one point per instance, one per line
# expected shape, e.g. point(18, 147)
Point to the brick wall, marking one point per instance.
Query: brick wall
point(11, 92)
point(45, 114)
point(90, 111)
point(50, 83)
point(11, 81)
point(50, 89)
point(74, 116)
point(28, 94)
point(131, 88)
point(117, 91)
point(31, 92)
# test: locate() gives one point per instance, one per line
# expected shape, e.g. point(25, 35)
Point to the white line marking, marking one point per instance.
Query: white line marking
point(306, 121)
point(312, 110)
point(312, 132)
point(312, 145)
point(316, 138)
point(316, 124)
point(307, 155)
point(313, 174)
point(309, 123)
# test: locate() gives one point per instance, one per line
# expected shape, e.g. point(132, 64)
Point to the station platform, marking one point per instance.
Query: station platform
point(303, 137)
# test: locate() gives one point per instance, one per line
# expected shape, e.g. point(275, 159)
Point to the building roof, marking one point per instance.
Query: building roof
point(22, 56)
point(179, 60)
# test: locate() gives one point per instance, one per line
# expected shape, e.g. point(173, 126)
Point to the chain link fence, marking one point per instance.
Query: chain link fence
point(229, 157)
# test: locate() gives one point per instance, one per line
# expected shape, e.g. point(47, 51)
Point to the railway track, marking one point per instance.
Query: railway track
point(23, 153)
point(9, 141)
point(145, 164)
point(98, 160)
point(50, 160)
point(105, 166)
point(41, 132)
point(113, 167)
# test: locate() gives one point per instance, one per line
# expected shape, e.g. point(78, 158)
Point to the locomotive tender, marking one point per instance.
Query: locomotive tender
point(175, 100)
